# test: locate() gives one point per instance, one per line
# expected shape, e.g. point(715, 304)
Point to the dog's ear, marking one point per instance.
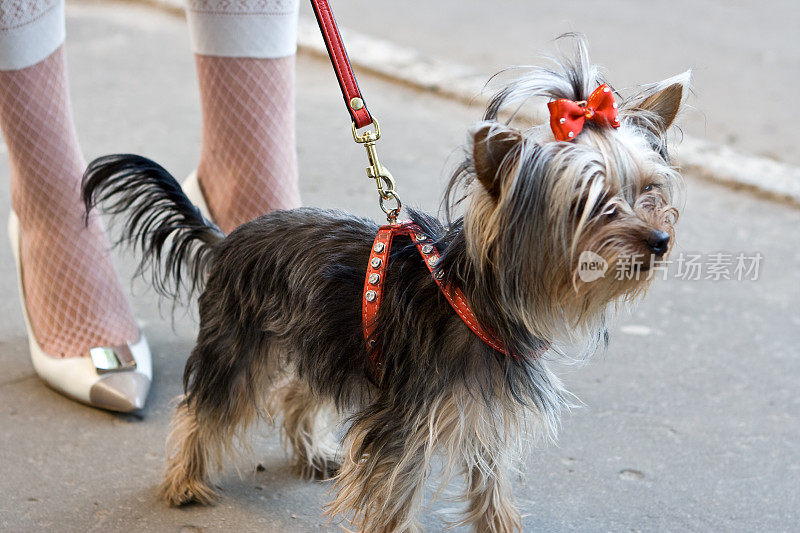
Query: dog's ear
point(665, 100)
point(491, 143)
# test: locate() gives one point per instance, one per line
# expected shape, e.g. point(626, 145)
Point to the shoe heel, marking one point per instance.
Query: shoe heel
point(193, 191)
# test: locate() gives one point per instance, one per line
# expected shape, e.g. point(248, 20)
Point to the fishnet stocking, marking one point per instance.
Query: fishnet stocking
point(248, 162)
point(74, 299)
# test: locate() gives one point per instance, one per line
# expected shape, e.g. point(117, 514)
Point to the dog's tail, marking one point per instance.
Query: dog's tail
point(176, 241)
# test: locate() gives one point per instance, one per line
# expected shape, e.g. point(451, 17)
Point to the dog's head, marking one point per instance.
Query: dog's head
point(565, 228)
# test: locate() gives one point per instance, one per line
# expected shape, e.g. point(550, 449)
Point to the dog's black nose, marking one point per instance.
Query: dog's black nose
point(658, 241)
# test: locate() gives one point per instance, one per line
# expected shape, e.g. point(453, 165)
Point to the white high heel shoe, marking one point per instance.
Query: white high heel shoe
point(191, 188)
point(116, 378)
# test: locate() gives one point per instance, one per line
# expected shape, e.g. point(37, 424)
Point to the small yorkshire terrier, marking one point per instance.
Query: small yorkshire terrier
point(281, 326)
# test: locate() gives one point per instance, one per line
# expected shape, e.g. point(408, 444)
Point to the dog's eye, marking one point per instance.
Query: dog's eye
point(648, 187)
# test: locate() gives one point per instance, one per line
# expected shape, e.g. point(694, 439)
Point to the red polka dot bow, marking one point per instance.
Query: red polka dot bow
point(567, 117)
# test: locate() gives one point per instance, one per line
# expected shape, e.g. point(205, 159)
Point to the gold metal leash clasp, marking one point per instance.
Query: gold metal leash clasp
point(383, 178)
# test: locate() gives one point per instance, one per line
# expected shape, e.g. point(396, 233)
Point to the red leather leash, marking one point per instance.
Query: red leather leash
point(357, 108)
point(353, 99)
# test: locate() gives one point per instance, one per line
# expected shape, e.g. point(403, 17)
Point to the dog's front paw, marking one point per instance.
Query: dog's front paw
point(502, 520)
point(176, 492)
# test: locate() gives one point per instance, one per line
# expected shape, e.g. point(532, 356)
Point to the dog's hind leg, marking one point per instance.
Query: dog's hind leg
point(308, 425)
point(227, 375)
point(188, 463)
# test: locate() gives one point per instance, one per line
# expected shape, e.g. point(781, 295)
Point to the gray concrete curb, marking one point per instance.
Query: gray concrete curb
point(718, 163)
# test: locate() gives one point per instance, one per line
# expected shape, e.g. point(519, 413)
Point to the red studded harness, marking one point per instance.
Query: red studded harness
point(376, 274)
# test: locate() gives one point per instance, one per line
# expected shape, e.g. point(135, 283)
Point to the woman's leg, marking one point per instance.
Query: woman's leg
point(244, 53)
point(74, 299)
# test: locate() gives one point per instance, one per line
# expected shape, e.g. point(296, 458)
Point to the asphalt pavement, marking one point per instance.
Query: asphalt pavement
point(691, 419)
